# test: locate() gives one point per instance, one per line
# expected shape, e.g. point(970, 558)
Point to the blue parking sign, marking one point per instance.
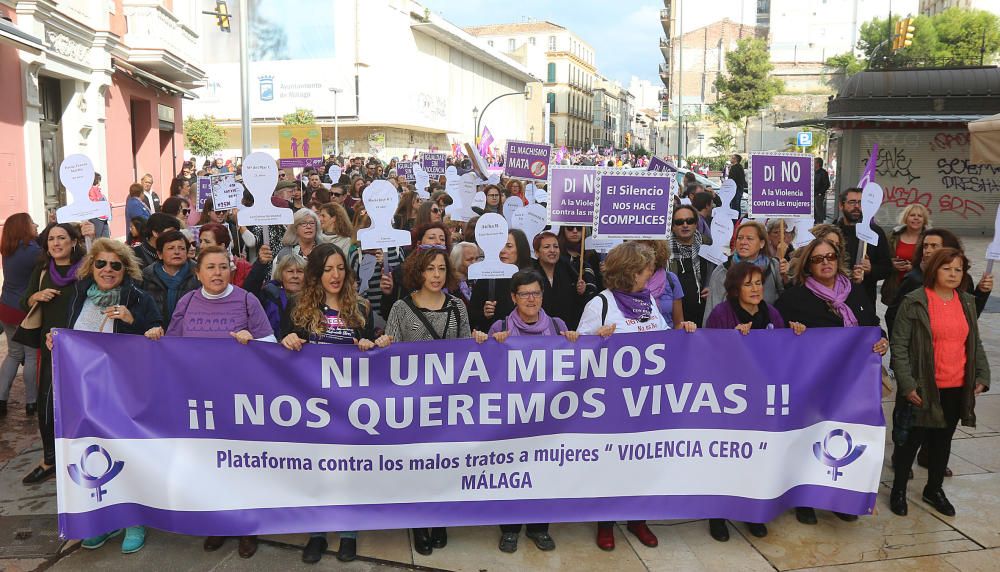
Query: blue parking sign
point(805, 138)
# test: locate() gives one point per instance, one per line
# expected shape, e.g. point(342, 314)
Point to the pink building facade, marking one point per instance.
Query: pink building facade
point(106, 79)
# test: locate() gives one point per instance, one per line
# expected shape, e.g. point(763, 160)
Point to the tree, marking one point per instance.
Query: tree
point(967, 36)
point(723, 142)
point(848, 63)
point(299, 117)
point(203, 137)
point(748, 87)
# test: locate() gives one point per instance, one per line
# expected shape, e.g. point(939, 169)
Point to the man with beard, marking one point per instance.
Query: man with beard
point(878, 264)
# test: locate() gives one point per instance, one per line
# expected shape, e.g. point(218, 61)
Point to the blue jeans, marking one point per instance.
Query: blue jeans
point(17, 355)
point(344, 534)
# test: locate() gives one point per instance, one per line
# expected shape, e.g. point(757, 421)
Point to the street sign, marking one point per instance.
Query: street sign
point(805, 138)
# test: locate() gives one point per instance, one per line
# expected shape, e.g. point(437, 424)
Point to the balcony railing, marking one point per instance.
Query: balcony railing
point(159, 41)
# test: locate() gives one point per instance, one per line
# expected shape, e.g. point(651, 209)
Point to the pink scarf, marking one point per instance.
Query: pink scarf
point(836, 297)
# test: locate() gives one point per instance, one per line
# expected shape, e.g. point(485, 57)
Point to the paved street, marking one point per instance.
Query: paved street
point(923, 541)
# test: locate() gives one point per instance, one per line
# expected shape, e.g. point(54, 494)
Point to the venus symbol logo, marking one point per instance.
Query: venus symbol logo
point(82, 476)
point(851, 454)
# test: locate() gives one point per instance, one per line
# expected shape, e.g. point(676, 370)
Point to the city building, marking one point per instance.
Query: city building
point(566, 65)
point(932, 7)
point(105, 79)
point(382, 77)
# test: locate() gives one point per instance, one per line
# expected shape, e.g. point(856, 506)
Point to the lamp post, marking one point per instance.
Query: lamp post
point(475, 125)
point(532, 131)
point(479, 116)
point(336, 121)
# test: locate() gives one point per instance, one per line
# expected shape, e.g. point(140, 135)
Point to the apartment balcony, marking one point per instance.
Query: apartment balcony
point(665, 48)
point(665, 20)
point(160, 43)
point(664, 95)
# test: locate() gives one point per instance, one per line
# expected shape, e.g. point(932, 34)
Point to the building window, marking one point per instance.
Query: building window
point(531, 40)
point(552, 72)
point(490, 42)
point(511, 45)
point(551, 98)
point(552, 43)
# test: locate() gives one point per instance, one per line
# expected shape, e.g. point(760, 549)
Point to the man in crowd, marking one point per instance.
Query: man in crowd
point(877, 265)
point(149, 196)
point(821, 184)
point(739, 177)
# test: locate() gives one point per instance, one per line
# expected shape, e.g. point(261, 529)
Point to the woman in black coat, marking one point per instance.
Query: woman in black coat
point(491, 299)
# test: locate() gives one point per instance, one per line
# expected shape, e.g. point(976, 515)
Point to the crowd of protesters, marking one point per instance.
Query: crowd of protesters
point(301, 284)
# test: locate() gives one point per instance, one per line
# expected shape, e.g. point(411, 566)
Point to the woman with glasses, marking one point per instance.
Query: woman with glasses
point(564, 290)
point(691, 269)
point(751, 241)
point(571, 245)
point(429, 213)
point(823, 296)
point(626, 306)
point(940, 367)
point(107, 298)
point(528, 319)
point(494, 204)
point(302, 236)
point(490, 299)
point(20, 251)
point(429, 313)
point(406, 213)
point(329, 311)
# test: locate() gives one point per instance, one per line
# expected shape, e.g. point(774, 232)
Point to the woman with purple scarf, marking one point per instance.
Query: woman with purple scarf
point(825, 297)
point(626, 306)
point(49, 287)
point(528, 319)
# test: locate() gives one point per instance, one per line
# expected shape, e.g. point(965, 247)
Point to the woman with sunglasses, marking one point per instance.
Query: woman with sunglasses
point(626, 306)
point(406, 213)
point(107, 298)
point(329, 311)
point(691, 269)
point(490, 299)
point(177, 207)
point(49, 287)
point(429, 213)
point(823, 296)
point(751, 244)
point(571, 244)
point(429, 313)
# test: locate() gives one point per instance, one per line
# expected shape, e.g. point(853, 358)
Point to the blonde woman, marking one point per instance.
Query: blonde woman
point(913, 221)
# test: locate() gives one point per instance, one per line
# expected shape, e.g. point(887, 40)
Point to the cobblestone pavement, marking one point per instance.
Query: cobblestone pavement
point(924, 540)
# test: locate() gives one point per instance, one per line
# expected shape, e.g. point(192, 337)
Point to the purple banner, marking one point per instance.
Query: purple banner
point(404, 169)
point(868, 175)
point(204, 191)
point(529, 161)
point(632, 204)
point(660, 166)
point(300, 162)
point(781, 185)
point(434, 164)
point(537, 429)
point(571, 195)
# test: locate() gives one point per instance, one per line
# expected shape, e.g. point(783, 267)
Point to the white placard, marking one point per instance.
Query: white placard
point(993, 250)
point(871, 200)
point(511, 206)
point(462, 190)
point(726, 192)
point(531, 220)
point(226, 192)
point(722, 233)
point(491, 236)
point(803, 235)
point(529, 192)
point(381, 199)
point(601, 244)
point(334, 173)
point(365, 271)
point(479, 201)
point(260, 176)
point(423, 180)
point(76, 173)
point(542, 196)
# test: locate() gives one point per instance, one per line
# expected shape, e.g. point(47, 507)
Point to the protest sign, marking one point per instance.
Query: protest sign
point(479, 202)
point(531, 220)
point(76, 173)
point(300, 146)
point(632, 205)
point(726, 193)
point(538, 429)
point(226, 192)
point(722, 232)
point(434, 164)
point(600, 244)
point(660, 166)
point(462, 190)
point(993, 250)
point(803, 234)
point(781, 185)
point(528, 161)
point(260, 176)
point(381, 199)
point(511, 206)
point(478, 164)
point(204, 191)
point(365, 271)
point(334, 173)
point(404, 169)
point(491, 236)
point(422, 181)
point(871, 200)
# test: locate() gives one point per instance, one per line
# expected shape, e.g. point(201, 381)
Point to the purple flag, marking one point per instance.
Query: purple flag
point(485, 140)
point(538, 429)
point(868, 176)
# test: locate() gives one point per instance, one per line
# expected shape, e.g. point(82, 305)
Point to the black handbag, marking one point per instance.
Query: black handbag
point(29, 331)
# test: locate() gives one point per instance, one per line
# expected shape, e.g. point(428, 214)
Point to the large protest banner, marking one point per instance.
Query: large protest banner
point(528, 161)
point(637, 426)
point(632, 205)
point(571, 195)
point(300, 146)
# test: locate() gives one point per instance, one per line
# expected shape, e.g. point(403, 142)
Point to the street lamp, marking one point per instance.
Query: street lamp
point(475, 125)
point(478, 116)
point(336, 121)
point(532, 131)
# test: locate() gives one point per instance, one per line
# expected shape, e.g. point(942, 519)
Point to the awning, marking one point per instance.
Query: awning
point(145, 78)
point(985, 140)
point(11, 34)
point(904, 118)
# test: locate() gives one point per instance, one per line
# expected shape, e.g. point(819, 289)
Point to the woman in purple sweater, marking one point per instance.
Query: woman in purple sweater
point(743, 310)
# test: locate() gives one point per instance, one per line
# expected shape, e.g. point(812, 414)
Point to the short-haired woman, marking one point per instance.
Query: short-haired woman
point(751, 246)
point(664, 285)
point(107, 298)
point(392, 283)
point(626, 306)
point(284, 287)
point(463, 255)
point(215, 234)
point(940, 368)
point(302, 235)
point(134, 205)
point(172, 276)
point(20, 253)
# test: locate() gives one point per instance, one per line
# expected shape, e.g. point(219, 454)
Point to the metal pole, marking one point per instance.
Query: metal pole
point(679, 34)
point(245, 78)
point(336, 124)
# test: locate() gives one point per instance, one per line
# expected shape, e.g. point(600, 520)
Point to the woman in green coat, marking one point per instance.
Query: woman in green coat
point(940, 367)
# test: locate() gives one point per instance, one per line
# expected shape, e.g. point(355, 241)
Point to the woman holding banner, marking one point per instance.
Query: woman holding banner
point(107, 298)
point(429, 314)
point(528, 319)
point(391, 283)
point(825, 297)
point(49, 288)
point(215, 234)
point(691, 269)
point(751, 242)
point(626, 306)
point(491, 297)
point(940, 367)
point(329, 311)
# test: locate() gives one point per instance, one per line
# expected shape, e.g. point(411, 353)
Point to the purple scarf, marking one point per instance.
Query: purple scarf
point(634, 305)
point(836, 297)
point(519, 327)
point(58, 279)
point(657, 283)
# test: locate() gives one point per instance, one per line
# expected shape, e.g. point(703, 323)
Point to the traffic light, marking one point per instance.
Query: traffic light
point(903, 36)
point(222, 15)
point(628, 140)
